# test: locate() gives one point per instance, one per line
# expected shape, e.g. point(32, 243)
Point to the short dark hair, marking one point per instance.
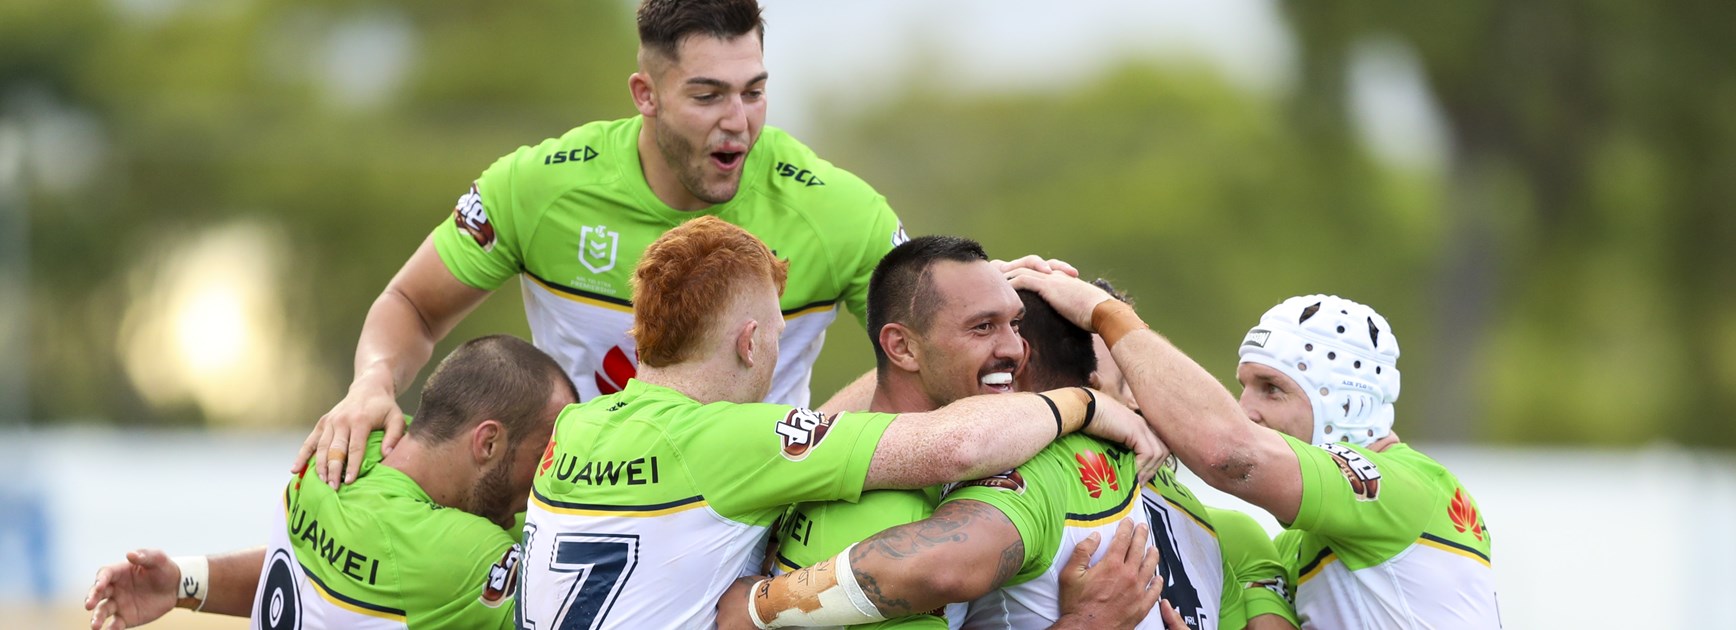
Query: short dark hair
point(499, 377)
point(901, 290)
point(1112, 291)
point(1061, 353)
point(664, 23)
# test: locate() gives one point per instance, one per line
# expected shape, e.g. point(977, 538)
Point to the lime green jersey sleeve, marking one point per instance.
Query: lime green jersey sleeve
point(886, 233)
point(1367, 506)
point(760, 456)
point(1253, 561)
point(1075, 479)
point(1026, 496)
point(481, 244)
point(474, 584)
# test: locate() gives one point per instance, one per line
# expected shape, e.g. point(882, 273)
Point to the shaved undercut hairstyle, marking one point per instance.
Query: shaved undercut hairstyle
point(498, 377)
point(664, 23)
point(1061, 353)
point(901, 289)
point(687, 279)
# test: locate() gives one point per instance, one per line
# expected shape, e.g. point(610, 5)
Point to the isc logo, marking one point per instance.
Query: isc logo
point(584, 154)
point(802, 175)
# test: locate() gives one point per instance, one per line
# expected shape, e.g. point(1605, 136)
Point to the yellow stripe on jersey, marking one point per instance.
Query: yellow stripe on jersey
point(809, 310)
point(1452, 549)
point(569, 294)
point(338, 601)
point(1320, 563)
point(628, 513)
point(1100, 519)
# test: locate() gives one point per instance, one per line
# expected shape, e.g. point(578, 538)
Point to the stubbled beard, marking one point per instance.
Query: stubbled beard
point(677, 153)
point(492, 495)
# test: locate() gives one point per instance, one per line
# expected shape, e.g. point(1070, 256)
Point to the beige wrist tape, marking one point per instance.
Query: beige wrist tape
point(1072, 406)
point(828, 596)
point(1114, 319)
point(195, 579)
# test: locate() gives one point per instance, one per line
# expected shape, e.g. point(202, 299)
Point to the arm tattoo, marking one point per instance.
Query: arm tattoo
point(950, 525)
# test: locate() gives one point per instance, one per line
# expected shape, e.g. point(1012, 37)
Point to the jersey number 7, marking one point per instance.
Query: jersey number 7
point(602, 562)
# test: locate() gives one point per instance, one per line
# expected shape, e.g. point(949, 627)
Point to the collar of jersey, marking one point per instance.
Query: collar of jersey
point(634, 175)
point(640, 389)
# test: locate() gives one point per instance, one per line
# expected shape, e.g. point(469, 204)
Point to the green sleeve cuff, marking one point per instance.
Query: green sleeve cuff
point(1308, 509)
point(1261, 601)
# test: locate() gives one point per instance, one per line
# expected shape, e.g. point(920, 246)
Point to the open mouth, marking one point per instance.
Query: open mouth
point(727, 160)
point(997, 382)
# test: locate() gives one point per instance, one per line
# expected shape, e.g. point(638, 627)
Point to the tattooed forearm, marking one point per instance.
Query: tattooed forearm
point(899, 569)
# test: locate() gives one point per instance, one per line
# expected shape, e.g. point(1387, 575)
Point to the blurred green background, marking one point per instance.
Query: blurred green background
point(199, 199)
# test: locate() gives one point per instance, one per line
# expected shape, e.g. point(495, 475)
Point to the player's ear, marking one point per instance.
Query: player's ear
point(488, 441)
point(744, 342)
point(900, 346)
point(644, 94)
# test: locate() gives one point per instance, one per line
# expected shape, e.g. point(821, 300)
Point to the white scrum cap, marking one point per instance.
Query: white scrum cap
point(1343, 354)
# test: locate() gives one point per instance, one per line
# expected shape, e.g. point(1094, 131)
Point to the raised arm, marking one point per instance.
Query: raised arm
point(983, 435)
point(148, 584)
point(1191, 411)
point(418, 308)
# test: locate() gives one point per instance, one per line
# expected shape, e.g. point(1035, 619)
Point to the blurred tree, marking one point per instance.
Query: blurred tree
point(351, 129)
point(1201, 200)
point(1588, 254)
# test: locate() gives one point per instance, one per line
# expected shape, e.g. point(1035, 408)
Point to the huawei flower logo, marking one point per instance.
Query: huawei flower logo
point(1464, 514)
point(1095, 472)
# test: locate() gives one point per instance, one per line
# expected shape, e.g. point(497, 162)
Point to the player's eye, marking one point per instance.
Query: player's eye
point(705, 98)
point(754, 95)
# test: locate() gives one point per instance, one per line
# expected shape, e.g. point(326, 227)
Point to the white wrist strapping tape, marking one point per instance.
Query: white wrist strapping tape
point(843, 604)
point(195, 579)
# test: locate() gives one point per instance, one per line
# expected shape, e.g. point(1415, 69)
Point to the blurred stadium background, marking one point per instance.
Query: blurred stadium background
point(199, 199)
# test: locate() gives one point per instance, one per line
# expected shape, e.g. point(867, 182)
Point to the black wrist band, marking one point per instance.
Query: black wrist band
point(1055, 410)
point(1090, 407)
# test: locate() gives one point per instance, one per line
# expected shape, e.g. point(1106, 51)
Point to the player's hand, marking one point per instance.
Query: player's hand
point(732, 607)
point(132, 593)
point(1120, 590)
point(340, 439)
point(1036, 263)
point(1116, 423)
point(1073, 298)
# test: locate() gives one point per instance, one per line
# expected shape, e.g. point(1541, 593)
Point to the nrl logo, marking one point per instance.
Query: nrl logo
point(801, 430)
point(597, 246)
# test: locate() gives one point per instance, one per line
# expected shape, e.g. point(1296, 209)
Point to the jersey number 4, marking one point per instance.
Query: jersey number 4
point(602, 562)
point(1178, 587)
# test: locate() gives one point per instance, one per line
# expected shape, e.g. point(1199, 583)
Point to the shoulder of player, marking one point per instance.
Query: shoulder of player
point(587, 155)
point(445, 550)
point(801, 181)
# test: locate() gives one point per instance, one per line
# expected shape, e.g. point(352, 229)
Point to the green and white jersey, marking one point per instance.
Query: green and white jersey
point(816, 531)
point(1258, 575)
point(380, 554)
point(1073, 487)
point(571, 216)
point(648, 504)
point(1387, 540)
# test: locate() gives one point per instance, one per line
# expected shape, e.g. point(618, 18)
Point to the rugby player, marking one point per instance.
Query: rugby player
point(1255, 593)
point(940, 315)
point(420, 540)
point(1002, 543)
point(1379, 535)
point(651, 501)
point(569, 216)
